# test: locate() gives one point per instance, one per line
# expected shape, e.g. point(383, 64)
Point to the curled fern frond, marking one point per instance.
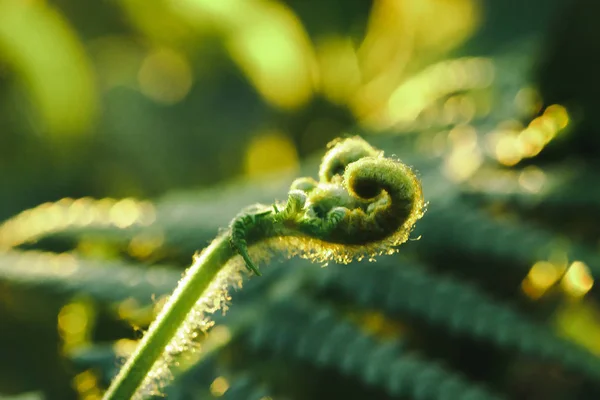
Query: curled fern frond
point(316, 335)
point(459, 307)
point(378, 200)
point(363, 205)
point(342, 153)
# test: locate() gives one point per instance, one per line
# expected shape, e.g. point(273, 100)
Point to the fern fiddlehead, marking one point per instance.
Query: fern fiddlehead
point(367, 210)
point(363, 205)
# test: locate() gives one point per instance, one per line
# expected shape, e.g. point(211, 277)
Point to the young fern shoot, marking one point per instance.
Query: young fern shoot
point(363, 205)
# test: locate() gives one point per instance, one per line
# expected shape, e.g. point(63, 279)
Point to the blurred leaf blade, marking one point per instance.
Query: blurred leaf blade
point(52, 63)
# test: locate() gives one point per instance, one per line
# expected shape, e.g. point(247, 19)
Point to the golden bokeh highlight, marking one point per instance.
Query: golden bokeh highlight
point(270, 151)
point(578, 280)
point(75, 323)
point(86, 385)
point(465, 156)
point(574, 279)
point(578, 321)
point(165, 76)
point(399, 36)
point(458, 109)
point(219, 386)
point(52, 63)
point(145, 244)
point(220, 335)
point(510, 146)
point(436, 82)
point(270, 45)
point(541, 277)
point(507, 150)
point(47, 218)
point(124, 348)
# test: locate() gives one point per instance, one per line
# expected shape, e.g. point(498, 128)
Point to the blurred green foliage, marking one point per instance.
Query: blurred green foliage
point(202, 107)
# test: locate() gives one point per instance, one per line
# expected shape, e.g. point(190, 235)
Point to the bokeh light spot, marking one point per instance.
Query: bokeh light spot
point(465, 157)
point(276, 55)
point(528, 101)
point(507, 150)
point(124, 213)
point(577, 280)
point(559, 114)
point(72, 319)
point(270, 151)
point(532, 179)
point(541, 277)
point(165, 76)
point(219, 386)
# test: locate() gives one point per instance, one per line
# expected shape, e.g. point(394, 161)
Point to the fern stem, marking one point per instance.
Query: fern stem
point(193, 286)
point(369, 210)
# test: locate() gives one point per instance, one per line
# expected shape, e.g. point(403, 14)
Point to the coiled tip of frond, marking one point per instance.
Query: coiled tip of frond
point(343, 152)
point(364, 204)
point(395, 195)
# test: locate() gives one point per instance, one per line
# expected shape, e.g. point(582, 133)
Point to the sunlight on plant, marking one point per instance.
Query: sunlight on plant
point(401, 38)
point(51, 217)
point(275, 79)
point(273, 50)
point(270, 45)
point(52, 64)
point(268, 42)
point(435, 82)
point(364, 205)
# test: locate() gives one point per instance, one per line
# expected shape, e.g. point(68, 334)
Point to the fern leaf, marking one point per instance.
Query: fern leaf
point(316, 335)
point(66, 274)
point(403, 290)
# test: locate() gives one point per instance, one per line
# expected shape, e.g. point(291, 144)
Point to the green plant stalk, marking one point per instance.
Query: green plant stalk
point(191, 288)
point(363, 205)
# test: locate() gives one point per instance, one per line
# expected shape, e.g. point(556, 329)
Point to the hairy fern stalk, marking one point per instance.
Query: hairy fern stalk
point(363, 205)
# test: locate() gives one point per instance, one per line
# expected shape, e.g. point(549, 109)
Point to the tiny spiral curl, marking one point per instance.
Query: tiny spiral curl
point(396, 202)
point(342, 153)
